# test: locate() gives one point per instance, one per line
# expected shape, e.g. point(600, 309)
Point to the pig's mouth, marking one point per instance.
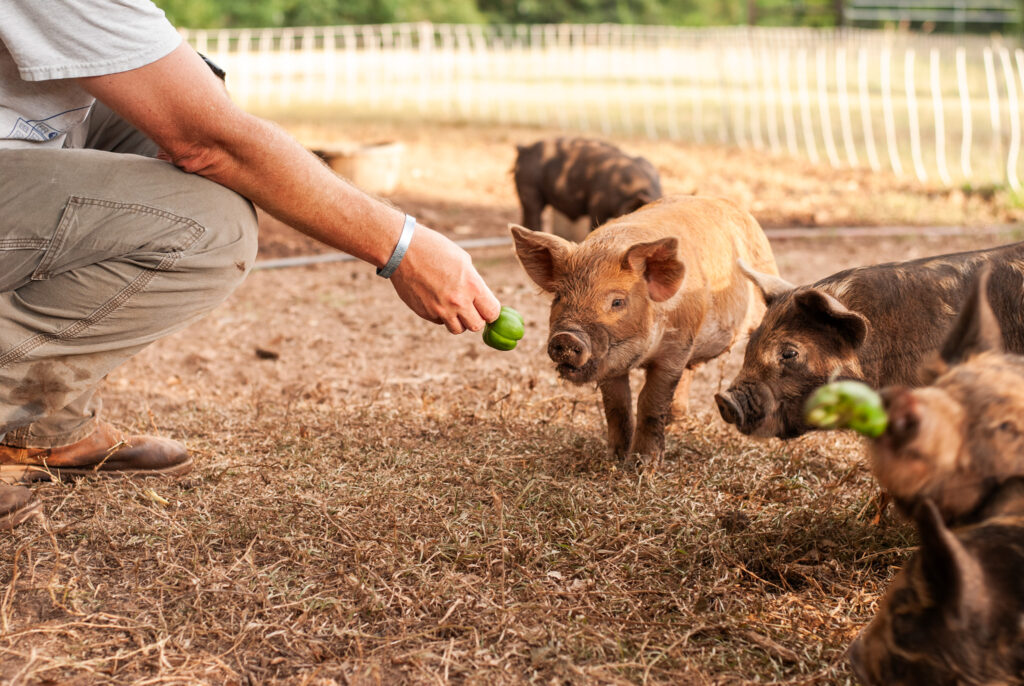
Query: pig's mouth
point(578, 375)
point(743, 406)
point(757, 411)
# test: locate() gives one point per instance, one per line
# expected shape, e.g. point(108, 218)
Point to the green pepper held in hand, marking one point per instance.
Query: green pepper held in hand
point(505, 331)
point(847, 405)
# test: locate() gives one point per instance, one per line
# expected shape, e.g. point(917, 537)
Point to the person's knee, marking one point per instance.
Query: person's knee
point(226, 252)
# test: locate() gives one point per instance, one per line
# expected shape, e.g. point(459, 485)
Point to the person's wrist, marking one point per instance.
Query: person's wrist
point(408, 228)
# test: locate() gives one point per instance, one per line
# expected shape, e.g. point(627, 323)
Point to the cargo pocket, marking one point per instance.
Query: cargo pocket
point(92, 231)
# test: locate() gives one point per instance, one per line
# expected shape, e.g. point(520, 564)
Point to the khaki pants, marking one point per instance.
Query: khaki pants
point(102, 253)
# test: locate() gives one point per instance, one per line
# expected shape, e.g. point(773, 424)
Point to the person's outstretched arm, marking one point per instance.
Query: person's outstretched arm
point(183, 107)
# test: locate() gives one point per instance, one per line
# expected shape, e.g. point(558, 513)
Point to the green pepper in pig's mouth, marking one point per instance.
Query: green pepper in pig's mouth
point(847, 405)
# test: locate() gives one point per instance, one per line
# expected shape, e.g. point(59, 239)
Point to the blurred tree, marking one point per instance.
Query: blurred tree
point(248, 14)
point(670, 12)
point(245, 13)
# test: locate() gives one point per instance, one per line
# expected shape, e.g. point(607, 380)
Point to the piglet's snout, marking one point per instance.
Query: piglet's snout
point(570, 348)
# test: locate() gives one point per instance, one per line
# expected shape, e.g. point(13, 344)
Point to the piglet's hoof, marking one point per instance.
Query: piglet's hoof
point(640, 463)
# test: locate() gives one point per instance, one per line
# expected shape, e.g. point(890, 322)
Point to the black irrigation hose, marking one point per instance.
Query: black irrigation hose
point(773, 235)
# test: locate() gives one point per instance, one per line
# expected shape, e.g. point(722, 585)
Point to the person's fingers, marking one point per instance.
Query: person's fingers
point(454, 325)
point(471, 320)
point(486, 305)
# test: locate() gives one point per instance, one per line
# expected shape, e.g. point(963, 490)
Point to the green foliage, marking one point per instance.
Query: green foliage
point(688, 12)
point(248, 14)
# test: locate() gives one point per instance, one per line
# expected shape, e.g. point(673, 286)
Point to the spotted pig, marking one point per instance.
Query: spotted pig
point(582, 177)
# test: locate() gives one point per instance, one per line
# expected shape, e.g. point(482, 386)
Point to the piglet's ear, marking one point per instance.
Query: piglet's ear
point(976, 329)
point(826, 310)
point(660, 265)
point(772, 287)
point(541, 254)
point(952, 577)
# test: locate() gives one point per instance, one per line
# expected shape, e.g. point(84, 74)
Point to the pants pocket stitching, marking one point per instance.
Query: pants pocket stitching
point(24, 243)
point(195, 231)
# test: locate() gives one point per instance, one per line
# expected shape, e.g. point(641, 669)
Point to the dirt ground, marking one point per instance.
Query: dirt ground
point(377, 502)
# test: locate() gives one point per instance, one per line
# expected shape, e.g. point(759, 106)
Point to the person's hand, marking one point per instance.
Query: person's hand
point(437, 280)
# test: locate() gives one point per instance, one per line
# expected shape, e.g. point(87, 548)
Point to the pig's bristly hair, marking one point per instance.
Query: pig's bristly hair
point(976, 329)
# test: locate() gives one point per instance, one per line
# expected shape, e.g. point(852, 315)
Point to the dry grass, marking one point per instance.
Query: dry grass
point(377, 502)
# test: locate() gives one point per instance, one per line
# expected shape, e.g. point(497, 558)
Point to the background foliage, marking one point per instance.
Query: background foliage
point(245, 13)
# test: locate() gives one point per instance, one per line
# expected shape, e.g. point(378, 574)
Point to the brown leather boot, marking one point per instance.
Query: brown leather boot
point(104, 452)
point(16, 505)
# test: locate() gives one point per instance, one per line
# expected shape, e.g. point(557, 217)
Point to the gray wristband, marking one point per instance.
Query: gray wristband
point(403, 244)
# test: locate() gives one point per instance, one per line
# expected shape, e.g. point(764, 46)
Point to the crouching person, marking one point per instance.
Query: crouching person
point(127, 178)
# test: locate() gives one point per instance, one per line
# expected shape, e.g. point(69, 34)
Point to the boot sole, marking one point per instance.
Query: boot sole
point(25, 512)
point(26, 474)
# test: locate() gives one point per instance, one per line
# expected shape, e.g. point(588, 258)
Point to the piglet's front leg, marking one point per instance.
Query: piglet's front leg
point(654, 411)
point(618, 412)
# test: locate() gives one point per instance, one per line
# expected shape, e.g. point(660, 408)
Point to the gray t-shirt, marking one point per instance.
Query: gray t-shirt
point(45, 45)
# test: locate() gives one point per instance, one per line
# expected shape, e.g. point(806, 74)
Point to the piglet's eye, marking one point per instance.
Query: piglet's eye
point(618, 303)
point(1008, 427)
point(556, 299)
point(788, 354)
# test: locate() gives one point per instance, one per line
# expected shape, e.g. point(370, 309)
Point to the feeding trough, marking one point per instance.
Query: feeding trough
point(373, 167)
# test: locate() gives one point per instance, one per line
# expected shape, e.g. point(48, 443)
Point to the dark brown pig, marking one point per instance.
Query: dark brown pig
point(957, 439)
point(658, 289)
point(874, 324)
point(582, 177)
point(954, 616)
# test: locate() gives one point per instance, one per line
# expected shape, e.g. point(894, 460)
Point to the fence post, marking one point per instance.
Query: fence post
point(1011, 94)
point(915, 129)
point(805, 105)
point(753, 90)
point(243, 79)
point(993, 101)
point(604, 51)
point(825, 109)
point(310, 65)
point(940, 120)
point(330, 65)
point(771, 99)
point(1018, 55)
point(266, 48)
point(578, 57)
point(844, 107)
point(887, 111)
point(965, 111)
point(788, 118)
point(723, 105)
point(670, 90)
point(866, 117)
point(287, 72)
point(697, 92)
